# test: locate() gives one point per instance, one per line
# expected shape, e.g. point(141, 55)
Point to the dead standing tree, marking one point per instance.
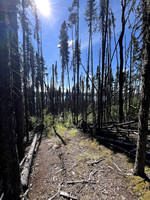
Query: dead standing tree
point(145, 100)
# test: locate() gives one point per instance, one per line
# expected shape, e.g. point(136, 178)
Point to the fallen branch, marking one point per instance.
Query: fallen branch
point(67, 195)
point(117, 171)
point(23, 160)
point(91, 174)
point(81, 181)
point(60, 170)
point(1, 198)
point(59, 136)
point(25, 194)
point(96, 161)
point(26, 168)
point(117, 167)
point(57, 193)
point(38, 143)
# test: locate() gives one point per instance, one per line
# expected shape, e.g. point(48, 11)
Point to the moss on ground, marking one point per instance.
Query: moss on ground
point(140, 187)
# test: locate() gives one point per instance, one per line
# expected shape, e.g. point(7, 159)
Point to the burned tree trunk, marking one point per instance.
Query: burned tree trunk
point(123, 5)
point(145, 100)
point(8, 153)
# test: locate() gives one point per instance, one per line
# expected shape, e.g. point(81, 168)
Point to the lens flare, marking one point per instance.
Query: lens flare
point(44, 7)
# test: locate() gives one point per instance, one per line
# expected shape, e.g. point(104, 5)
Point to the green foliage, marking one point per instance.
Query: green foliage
point(90, 13)
point(114, 112)
point(68, 120)
point(134, 108)
point(60, 127)
point(35, 124)
point(48, 119)
point(64, 48)
point(73, 132)
point(60, 124)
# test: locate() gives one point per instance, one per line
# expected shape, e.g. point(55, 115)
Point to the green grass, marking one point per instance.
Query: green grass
point(73, 132)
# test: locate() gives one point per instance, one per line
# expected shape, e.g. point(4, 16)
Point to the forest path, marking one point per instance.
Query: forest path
point(97, 172)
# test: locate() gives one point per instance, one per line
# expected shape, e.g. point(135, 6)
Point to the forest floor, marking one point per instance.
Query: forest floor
point(84, 170)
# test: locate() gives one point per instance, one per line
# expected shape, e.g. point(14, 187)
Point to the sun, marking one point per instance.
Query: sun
point(44, 7)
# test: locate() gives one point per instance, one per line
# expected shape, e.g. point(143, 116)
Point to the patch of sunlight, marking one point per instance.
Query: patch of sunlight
point(108, 161)
point(73, 132)
point(60, 128)
point(82, 143)
point(139, 186)
point(93, 144)
point(146, 196)
point(147, 170)
point(92, 156)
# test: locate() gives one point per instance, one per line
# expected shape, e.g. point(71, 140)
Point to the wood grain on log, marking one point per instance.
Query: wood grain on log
point(27, 166)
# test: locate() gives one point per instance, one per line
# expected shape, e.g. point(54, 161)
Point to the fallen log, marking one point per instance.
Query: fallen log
point(38, 143)
point(114, 141)
point(130, 153)
point(120, 124)
point(127, 130)
point(58, 192)
point(27, 166)
point(63, 141)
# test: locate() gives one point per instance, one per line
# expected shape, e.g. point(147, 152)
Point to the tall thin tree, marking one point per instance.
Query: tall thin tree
point(145, 100)
point(8, 153)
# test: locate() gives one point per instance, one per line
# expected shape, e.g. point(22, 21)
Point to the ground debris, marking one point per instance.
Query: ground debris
point(82, 169)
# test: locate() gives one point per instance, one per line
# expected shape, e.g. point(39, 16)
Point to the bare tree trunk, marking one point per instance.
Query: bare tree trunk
point(126, 83)
point(145, 100)
point(25, 71)
point(93, 100)
point(42, 87)
point(130, 87)
point(87, 81)
point(63, 91)
point(8, 154)
point(123, 6)
point(104, 34)
point(99, 86)
point(15, 65)
point(53, 95)
point(33, 81)
point(78, 58)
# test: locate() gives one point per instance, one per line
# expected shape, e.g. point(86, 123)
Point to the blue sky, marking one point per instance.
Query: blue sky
point(51, 30)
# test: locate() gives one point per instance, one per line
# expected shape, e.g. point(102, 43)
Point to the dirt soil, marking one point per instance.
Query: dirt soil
point(83, 169)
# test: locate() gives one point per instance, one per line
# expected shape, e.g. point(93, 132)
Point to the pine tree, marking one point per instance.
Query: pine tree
point(72, 23)
point(64, 53)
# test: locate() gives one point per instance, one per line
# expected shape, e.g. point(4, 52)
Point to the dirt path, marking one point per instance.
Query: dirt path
point(97, 172)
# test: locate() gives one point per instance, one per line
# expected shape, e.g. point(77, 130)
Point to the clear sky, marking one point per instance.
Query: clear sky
point(51, 29)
